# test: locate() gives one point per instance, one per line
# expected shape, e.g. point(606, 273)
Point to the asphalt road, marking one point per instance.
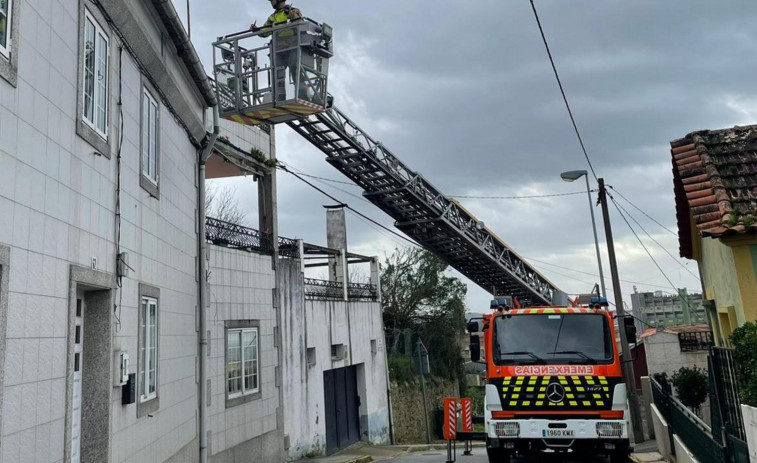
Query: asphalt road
point(479, 456)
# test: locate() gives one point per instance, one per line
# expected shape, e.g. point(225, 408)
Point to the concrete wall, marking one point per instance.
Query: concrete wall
point(750, 424)
point(664, 354)
point(57, 208)
point(241, 288)
point(683, 454)
point(318, 325)
point(407, 408)
point(661, 433)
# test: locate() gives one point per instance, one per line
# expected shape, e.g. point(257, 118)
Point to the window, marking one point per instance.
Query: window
point(242, 367)
point(148, 349)
point(552, 338)
point(149, 137)
point(95, 76)
point(6, 8)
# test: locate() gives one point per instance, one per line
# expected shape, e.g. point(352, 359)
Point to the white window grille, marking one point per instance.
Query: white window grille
point(95, 81)
point(148, 352)
point(6, 7)
point(149, 137)
point(242, 370)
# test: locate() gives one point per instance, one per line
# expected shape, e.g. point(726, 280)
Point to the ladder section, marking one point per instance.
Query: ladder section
point(436, 222)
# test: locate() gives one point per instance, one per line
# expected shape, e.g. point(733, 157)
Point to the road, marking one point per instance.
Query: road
point(479, 456)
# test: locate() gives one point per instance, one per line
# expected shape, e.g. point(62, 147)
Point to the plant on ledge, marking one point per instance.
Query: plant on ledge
point(744, 342)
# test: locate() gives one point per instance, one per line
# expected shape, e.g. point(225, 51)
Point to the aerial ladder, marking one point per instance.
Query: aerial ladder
point(279, 74)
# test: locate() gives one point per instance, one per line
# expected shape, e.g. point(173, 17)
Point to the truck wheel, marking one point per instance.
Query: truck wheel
point(619, 457)
point(497, 455)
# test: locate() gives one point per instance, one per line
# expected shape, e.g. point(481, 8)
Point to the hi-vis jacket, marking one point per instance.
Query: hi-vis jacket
point(282, 15)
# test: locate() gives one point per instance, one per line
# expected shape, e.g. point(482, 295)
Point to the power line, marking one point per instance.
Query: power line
point(642, 243)
point(285, 169)
point(657, 242)
point(562, 91)
point(520, 197)
point(592, 274)
point(640, 210)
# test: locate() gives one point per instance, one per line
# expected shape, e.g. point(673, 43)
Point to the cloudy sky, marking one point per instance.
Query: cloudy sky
point(463, 92)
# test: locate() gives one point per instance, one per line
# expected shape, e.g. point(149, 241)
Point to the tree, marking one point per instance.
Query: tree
point(223, 206)
point(418, 296)
point(691, 386)
point(744, 342)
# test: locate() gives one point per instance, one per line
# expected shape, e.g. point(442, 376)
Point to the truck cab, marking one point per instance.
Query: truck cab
point(553, 381)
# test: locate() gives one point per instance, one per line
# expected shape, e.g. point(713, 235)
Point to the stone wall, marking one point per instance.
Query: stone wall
point(407, 408)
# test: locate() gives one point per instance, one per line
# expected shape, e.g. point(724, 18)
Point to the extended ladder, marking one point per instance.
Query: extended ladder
point(435, 221)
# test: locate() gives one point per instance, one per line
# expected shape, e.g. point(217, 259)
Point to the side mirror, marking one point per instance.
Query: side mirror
point(628, 325)
point(473, 327)
point(475, 348)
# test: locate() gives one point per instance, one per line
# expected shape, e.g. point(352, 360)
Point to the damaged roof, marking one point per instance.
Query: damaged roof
point(715, 183)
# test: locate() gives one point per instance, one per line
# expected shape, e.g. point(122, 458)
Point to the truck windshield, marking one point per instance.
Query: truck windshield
point(573, 338)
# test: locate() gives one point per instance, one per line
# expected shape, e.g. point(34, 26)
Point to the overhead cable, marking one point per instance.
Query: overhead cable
point(562, 91)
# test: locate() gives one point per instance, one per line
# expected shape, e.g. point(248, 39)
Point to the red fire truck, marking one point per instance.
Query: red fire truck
point(553, 381)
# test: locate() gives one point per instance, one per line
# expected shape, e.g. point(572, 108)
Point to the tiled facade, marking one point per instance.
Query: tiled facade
point(241, 290)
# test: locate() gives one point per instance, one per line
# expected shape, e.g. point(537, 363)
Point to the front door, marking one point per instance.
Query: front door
point(77, 384)
point(342, 406)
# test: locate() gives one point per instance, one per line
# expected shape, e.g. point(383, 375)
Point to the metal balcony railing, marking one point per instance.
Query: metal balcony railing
point(228, 234)
point(332, 290)
point(695, 341)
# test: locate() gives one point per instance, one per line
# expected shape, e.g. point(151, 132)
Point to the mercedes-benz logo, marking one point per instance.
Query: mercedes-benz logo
point(555, 392)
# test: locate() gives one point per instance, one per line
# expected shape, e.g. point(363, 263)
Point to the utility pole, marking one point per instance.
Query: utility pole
point(627, 363)
point(423, 388)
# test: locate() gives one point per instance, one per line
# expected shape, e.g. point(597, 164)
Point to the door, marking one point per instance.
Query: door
point(342, 406)
point(77, 384)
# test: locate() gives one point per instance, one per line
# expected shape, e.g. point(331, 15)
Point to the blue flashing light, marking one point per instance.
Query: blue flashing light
point(501, 301)
point(599, 300)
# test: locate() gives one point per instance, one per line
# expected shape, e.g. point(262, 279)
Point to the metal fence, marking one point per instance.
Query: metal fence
point(323, 289)
point(333, 290)
point(695, 341)
point(229, 234)
point(726, 391)
point(687, 426)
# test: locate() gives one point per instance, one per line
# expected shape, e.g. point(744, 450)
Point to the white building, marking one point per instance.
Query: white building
point(102, 123)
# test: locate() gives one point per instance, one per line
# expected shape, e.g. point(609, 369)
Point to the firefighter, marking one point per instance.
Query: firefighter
point(284, 40)
point(282, 14)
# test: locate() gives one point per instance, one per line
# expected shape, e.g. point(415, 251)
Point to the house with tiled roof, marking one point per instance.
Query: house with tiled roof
point(715, 184)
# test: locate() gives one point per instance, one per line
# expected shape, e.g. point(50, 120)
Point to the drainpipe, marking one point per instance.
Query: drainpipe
point(203, 271)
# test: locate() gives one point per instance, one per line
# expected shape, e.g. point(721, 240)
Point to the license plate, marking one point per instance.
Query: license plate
point(558, 433)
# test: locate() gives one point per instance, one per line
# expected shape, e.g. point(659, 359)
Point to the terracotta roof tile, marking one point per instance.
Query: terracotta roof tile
point(715, 183)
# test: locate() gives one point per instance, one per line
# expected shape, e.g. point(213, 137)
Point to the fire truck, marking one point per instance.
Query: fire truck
point(553, 380)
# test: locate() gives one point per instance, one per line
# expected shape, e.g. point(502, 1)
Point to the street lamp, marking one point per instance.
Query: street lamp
point(572, 176)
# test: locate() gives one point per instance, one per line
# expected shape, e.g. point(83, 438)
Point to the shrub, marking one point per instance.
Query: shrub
point(744, 342)
point(400, 368)
point(691, 385)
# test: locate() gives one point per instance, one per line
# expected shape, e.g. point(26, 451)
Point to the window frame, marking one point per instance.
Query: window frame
point(148, 364)
point(242, 397)
point(99, 31)
point(242, 360)
point(148, 100)
point(5, 51)
point(147, 403)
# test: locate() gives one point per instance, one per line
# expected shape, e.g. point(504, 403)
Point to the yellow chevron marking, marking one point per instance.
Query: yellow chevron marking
point(513, 403)
point(573, 403)
point(507, 379)
point(586, 403)
point(600, 403)
point(539, 403)
point(526, 403)
point(529, 389)
point(517, 389)
point(580, 389)
point(515, 396)
point(570, 396)
point(575, 378)
point(597, 396)
point(549, 310)
point(541, 396)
